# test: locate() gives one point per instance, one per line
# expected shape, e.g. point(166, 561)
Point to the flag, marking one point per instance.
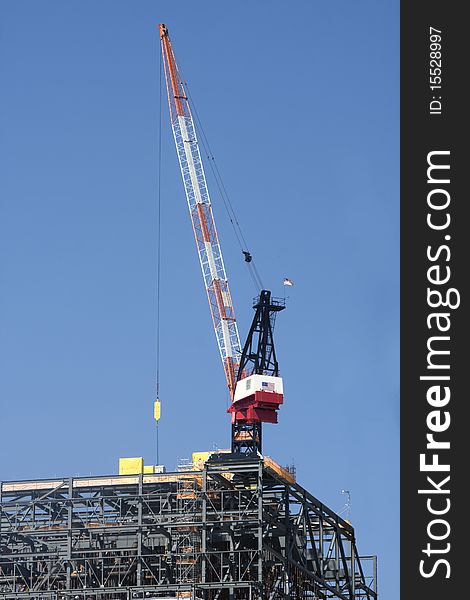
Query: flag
point(287, 281)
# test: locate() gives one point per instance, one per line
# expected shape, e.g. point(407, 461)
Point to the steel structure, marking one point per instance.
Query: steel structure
point(200, 210)
point(241, 528)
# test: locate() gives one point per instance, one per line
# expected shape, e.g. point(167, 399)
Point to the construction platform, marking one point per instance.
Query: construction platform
point(240, 528)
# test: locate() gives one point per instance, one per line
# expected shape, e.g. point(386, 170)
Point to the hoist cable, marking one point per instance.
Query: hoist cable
point(159, 246)
point(224, 194)
point(159, 203)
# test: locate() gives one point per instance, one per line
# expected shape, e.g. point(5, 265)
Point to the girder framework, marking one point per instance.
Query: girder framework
point(235, 530)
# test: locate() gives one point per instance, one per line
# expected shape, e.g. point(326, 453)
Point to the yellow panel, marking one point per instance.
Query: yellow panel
point(199, 459)
point(131, 466)
point(149, 469)
point(156, 410)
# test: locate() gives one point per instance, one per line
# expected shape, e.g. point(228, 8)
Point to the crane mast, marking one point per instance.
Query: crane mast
point(200, 210)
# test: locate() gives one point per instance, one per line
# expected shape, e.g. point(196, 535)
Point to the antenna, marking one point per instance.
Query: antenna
point(347, 506)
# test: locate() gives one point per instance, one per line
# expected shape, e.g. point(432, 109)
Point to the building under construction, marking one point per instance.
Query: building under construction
point(232, 525)
point(240, 528)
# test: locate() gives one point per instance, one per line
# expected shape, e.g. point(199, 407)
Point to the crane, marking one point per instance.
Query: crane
point(200, 210)
point(252, 374)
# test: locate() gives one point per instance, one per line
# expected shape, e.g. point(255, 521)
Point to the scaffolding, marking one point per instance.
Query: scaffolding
point(242, 528)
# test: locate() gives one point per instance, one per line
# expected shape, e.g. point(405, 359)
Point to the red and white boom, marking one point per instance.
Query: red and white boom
point(200, 209)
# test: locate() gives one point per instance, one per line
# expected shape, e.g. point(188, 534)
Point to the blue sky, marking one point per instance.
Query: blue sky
point(300, 103)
